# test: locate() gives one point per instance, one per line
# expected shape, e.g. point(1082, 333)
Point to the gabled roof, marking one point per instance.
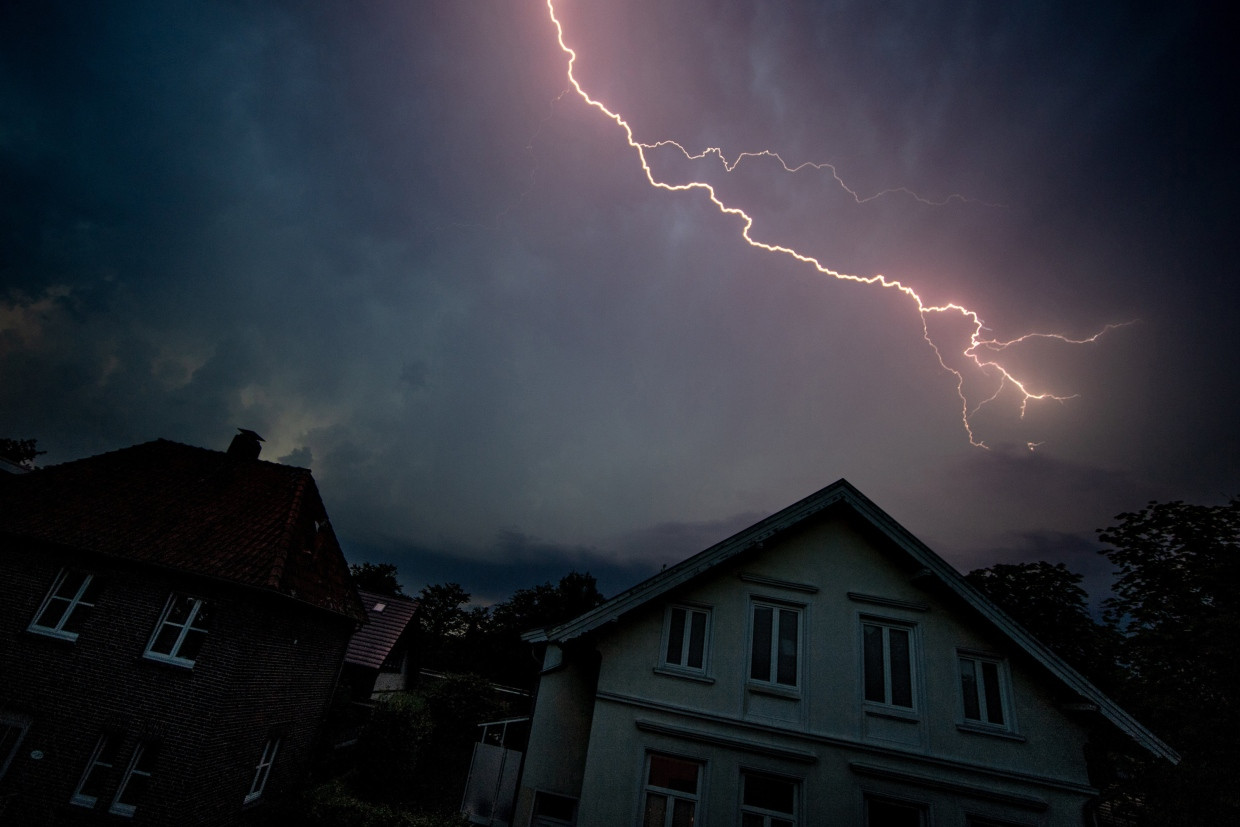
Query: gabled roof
point(386, 620)
point(246, 521)
point(839, 495)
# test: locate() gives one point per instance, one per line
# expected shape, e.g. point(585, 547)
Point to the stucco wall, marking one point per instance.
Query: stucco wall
point(825, 734)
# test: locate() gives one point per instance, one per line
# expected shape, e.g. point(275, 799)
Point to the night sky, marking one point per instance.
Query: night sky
point(391, 238)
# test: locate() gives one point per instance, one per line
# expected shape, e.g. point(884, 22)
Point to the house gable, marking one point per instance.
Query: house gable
point(827, 659)
point(924, 571)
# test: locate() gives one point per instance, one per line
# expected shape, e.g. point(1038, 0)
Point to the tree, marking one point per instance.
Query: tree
point(1047, 599)
point(510, 659)
point(1177, 604)
point(376, 577)
point(20, 451)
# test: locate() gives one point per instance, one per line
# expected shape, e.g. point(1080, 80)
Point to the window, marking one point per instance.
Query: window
point(768, 801)
point(95, 777)
point(887, 664)
point(554, 810)
point(135, 781)
point(884, 813)
point(672, 791)
point(63, 611)
point(982, 691)
point(181, 630)
point(263, 770)
point(12, 731)
point(686, 634)
point(775, 645)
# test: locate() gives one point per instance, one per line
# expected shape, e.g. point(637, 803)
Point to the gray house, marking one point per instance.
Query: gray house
point(821, 667)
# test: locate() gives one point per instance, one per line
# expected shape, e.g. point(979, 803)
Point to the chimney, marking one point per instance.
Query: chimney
point(245, 445)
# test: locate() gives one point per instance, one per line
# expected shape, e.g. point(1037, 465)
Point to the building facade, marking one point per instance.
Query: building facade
point(820, 667)
point(172, 625)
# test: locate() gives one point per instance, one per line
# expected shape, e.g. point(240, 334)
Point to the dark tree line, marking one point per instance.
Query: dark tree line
point(1166, 649)
point(460, 638)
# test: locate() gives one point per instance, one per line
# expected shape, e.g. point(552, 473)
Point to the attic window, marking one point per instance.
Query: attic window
point(379, 607)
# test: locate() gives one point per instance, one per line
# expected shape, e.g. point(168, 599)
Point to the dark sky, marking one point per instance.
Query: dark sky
point(394, 240)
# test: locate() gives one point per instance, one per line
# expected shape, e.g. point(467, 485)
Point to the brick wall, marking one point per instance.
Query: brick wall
point(267, 668)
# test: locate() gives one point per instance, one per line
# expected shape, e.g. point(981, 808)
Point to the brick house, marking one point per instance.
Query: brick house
point(172, 625)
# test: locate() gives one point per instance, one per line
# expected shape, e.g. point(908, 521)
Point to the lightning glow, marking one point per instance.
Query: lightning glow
point(981, 349)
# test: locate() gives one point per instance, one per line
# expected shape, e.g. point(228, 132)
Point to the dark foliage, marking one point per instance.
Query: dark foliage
point(1177, 602)
point(21, 452)
point(377, 577)
point(1047, 599)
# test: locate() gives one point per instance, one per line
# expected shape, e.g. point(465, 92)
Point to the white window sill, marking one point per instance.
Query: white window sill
point(171, 661)
point(977, 728)
point(52, 633)
point(774, 690)
point(673, 672)
point(894, 713)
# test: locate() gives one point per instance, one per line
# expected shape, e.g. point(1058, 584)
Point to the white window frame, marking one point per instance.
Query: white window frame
point(1002, 688)
point(195, 611)
point(71, 603)
point(135, 768)
point(670, 795)
point(914, 673)
point(263, 771)
point(777, 619)
point(101, 759)
point(12, 731)
point(686, 638)
point(771, 818)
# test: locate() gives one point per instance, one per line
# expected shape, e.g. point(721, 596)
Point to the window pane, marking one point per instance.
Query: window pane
point(166, 639)
point(769, 793)
point(673, 774)
point(192, 644)
point(994, 703)
point(554, 806)
point(901, 668)
point(682, 813)
point(656, 810)
point(178, 612)
point(751, 820)
point(676, 636)
point(697, 640)
point(875, 686)
point(76, 619)
point(51, 614)
point(202, 618)
point(135, 790)
point(968, 688)
point(761, 667)
point(787, 668)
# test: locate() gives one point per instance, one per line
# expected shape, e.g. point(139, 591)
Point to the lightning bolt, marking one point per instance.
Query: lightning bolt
point(980, 349)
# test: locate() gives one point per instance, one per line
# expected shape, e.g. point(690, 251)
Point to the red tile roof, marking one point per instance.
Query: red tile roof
point(247, 521)
point(372, 643)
